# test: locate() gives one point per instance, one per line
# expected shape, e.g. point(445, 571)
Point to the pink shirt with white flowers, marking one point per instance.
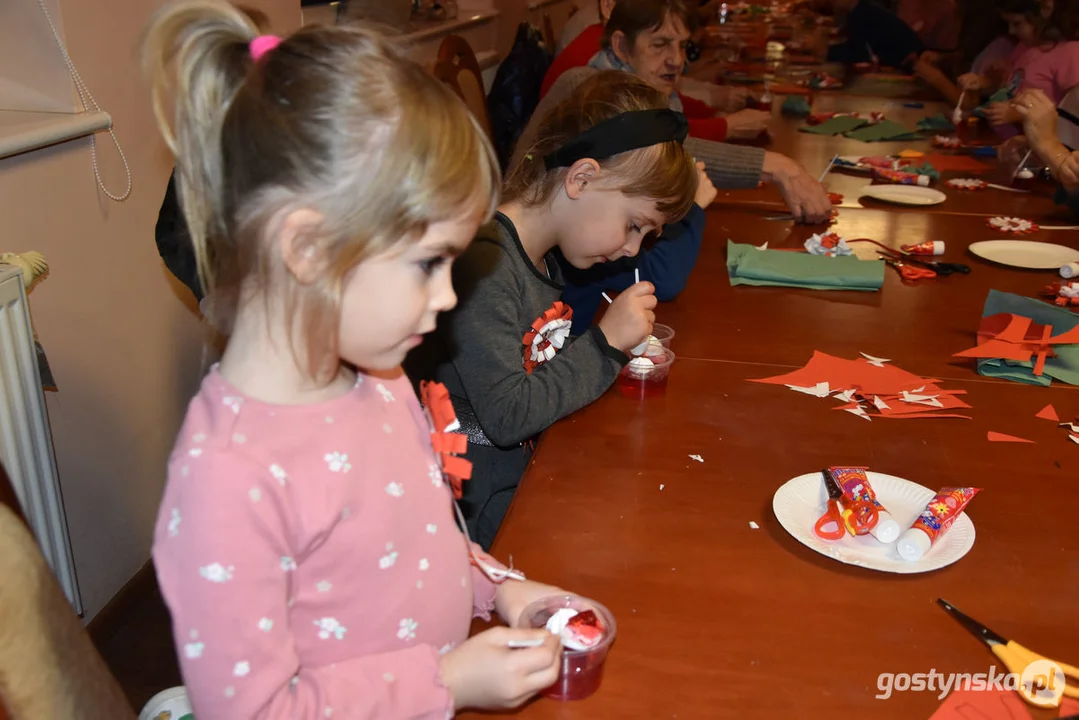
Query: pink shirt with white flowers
point(310, 557)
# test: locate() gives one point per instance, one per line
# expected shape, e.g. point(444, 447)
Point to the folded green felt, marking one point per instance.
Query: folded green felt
point(884, 130)
point(924, 169)
point(748, 265)
point(1064, 367)
point(795, 105)
point(935, 122)
point(835, 126)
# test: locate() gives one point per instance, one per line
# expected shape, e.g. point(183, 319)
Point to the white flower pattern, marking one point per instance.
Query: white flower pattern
point(255, 494)
point(337, 462)
point(288, 564)
point(424, 565)
point(435, 473)
point(242, 668)
point(233, 403)
point(432, 528)
point(216, 572)
point(385, 393)
point(174, 523)
point(193, 651)
point(324, 587)
point(395, 489)
point(279, 474)
point(265, 624)
point(329, 627)
point(407, 629)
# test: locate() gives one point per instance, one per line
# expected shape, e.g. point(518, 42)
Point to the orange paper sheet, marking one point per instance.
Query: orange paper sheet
point(1048, 413)
point(982, 705)
point(1001, 437)
point(841, 374)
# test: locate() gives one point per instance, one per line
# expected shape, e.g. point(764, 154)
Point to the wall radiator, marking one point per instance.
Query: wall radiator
point(25, 440)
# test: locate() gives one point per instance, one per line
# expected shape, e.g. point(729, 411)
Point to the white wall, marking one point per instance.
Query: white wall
point(124, 348)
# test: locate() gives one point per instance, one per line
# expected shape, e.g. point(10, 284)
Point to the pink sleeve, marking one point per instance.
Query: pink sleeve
point(1065, 71)
point(223, 562)
point(483, 590)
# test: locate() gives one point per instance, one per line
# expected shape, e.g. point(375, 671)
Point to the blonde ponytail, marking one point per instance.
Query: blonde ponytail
point(197, 56)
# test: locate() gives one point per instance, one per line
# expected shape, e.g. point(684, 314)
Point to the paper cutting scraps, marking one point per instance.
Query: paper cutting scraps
point(1014, 225)
point(879, 362)
point(1007, 336)
point(942, 141)
point(1048, 413)
point(828, 244)
point(1062, 361)
point(698, 458)
point(991, 704)
point(1001, 437)
point(967, 184)
point(871, 390)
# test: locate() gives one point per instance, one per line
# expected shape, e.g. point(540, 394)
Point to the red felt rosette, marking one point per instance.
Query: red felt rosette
point(449, 445)
point(547, 335)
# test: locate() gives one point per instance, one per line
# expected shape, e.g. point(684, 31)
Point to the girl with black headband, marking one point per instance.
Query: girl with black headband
point(607, 168)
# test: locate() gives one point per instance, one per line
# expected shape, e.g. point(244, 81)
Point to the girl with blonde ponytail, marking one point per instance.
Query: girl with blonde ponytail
point(307, 544)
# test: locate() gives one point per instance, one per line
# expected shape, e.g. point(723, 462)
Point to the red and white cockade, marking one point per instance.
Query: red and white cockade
point(1014, 225)
point(547, 335)
point(967, 184)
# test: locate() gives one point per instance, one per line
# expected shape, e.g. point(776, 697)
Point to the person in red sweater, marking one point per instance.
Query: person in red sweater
point(648, 38)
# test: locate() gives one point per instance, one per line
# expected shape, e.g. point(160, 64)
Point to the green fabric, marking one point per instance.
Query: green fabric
point(884, 130)
point(835, 126)
point(795, 105)
point(1064, 367)
point(748, 265)
point(924, 169)
point(935, 122)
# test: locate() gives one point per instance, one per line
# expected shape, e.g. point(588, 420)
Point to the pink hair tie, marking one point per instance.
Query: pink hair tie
point(262, 45)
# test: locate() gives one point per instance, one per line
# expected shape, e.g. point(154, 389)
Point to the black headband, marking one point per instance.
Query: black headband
point(622, 133)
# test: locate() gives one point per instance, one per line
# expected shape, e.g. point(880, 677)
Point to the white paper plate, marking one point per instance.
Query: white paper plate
point(800, 502)
point(905, 194)
point(1027, 254)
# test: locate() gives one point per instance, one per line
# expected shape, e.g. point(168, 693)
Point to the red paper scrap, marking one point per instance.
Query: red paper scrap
point(1001, 437)
point(1069, 708)
point(982, 705)
point(1013, 337)
point(1048, 413)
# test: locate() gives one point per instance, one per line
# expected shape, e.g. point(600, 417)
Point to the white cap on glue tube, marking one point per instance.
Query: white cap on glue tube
point(1069, 271)
point(938, 247)
point(887, 529)
point(913, 544)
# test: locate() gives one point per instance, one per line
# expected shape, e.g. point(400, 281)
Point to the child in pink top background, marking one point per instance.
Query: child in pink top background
point(307, 544)
point(1045, 57)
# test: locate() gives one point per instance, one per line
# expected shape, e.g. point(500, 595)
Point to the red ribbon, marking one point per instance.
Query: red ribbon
point(558, 311)
point(449, 446)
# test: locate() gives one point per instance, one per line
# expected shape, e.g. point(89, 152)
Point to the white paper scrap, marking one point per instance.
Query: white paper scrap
point(845, 396)
point(819, 390)
point(698, 458)
point(879, 362)
point(661, 486)
point(755, 526)
point(859, 412)
point(881, 405)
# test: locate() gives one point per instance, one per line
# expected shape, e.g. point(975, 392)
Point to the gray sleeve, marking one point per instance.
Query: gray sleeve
point(510, 404)
point(729, 167)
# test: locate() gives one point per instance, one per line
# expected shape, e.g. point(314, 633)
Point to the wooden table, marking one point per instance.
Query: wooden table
point(719, 620)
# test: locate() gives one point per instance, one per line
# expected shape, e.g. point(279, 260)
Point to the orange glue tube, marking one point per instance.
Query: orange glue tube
point(938, 516)
point(929, 247)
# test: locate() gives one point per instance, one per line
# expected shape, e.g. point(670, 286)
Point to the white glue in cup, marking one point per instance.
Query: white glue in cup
point(887, 529)
point(1069, 271)
point(913, 544)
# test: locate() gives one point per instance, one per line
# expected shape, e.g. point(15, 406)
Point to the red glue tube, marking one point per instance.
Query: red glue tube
point(856, 485)
point(929, 247)
point(938, 516)
point(898, 177)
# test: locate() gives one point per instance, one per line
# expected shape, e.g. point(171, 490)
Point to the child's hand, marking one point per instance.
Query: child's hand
point(483, 672)
point(514, 596)
point(629, 319)
point(972, 82)
point(1001, 113)
point(706, 191)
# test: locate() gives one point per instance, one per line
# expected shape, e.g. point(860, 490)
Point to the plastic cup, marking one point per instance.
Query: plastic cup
point(582, 670)
point(663, 333)
point(649, 381)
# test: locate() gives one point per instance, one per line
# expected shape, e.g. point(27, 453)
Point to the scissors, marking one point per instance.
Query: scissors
point(908, 270)
point(1045, 687)
point(856, 517)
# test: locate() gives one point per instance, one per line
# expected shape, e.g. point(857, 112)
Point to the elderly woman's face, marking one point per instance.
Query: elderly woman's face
point(659, 56)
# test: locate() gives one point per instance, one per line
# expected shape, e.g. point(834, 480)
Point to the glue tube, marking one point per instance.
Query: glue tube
point(938, 516)
point(856, 485)
point(1071, 270)
point(929, 247)
point(898, 177)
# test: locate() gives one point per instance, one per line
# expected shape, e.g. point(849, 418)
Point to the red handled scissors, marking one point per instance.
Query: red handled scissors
point(856, 517)
point(910, 272)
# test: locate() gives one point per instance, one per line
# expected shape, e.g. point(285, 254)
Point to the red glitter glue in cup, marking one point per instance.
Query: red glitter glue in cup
point(587, 630)
point(646, 376)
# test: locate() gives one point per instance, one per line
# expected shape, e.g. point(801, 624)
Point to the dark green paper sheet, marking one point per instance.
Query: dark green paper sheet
point(748, 265)
point(884, 130)
point(935, 123)
point(835, 126)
